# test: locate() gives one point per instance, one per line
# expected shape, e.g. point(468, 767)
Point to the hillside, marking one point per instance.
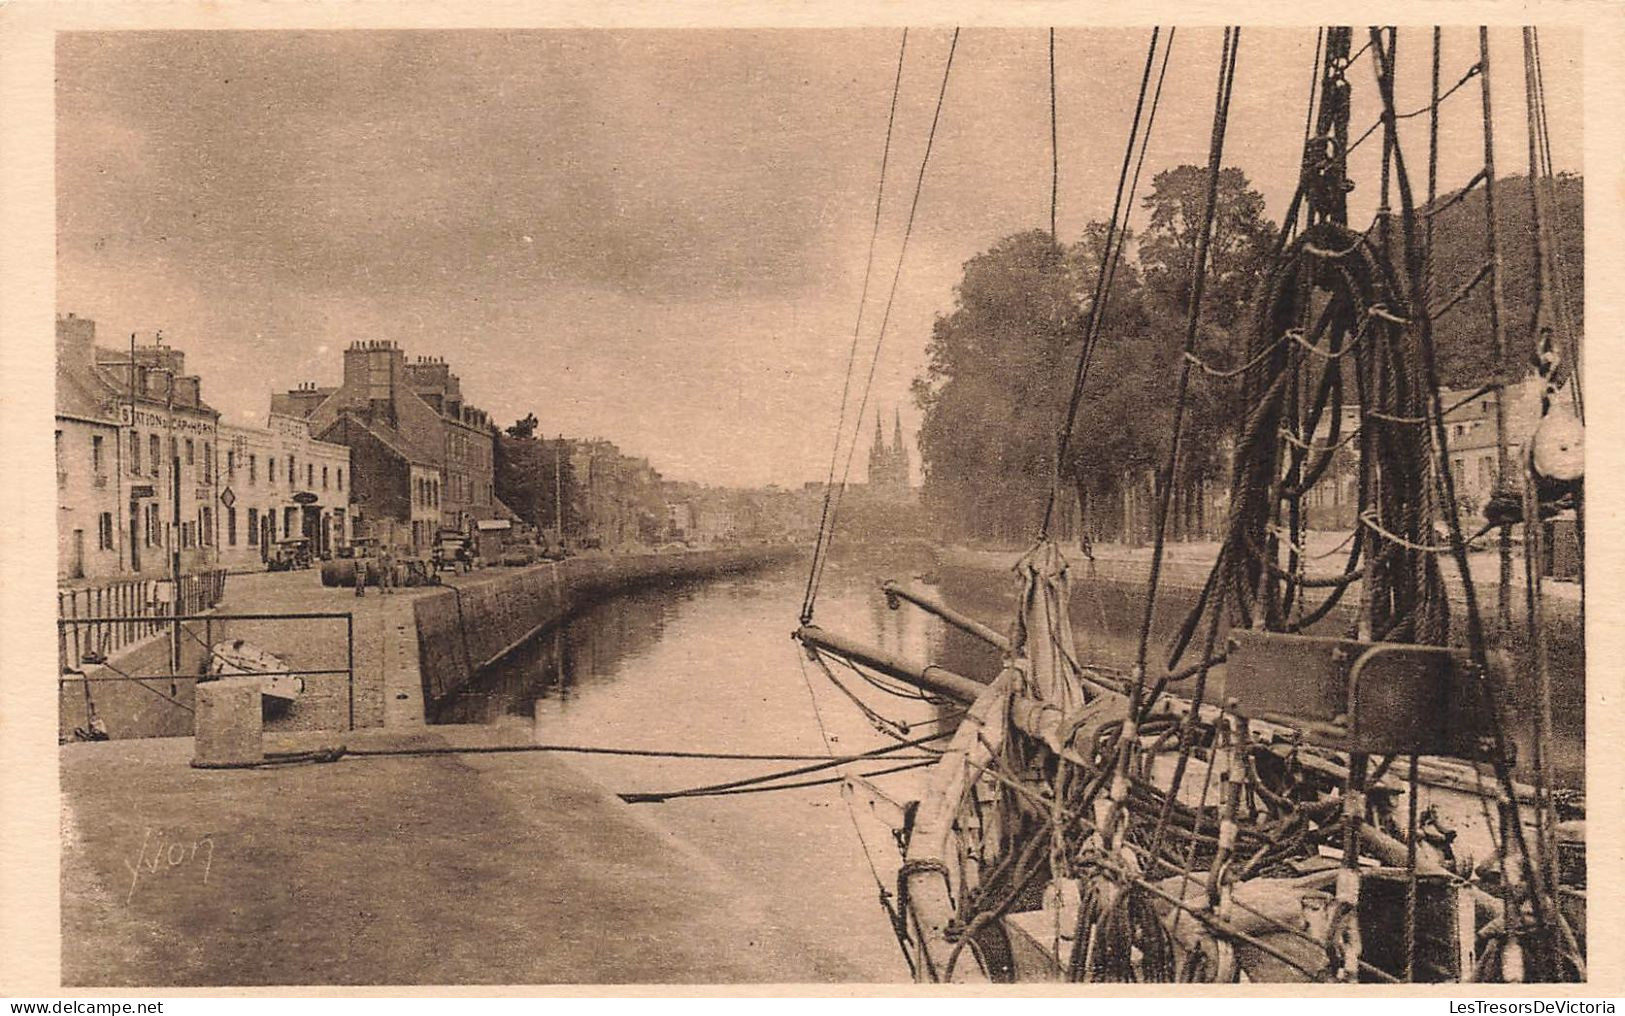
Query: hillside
point(1463, 335)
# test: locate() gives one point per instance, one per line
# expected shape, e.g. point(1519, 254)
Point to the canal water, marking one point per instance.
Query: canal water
point(711, 667)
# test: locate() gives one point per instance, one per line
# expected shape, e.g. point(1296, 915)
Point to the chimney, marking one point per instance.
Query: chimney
point(76, 342)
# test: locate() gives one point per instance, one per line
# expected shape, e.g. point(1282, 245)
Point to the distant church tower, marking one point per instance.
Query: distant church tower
point(889, 467)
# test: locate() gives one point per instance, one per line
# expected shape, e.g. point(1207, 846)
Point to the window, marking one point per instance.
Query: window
point(208, 462)
point(324, 477)
point(293, 477)
point(61, 474)
point(231, 527)
point(205, 527)
point(186, 534)
point(135, 453)
point(152, 525)
point(253, 523)
point(341, 478)
point(154, 454)
point(270, 471)
point(310, 475)
point(289, 515)
point(96, 455)
point(104, 531)
point(174, 449)
point(231, 463)
point(191, 458)
point(270, 523)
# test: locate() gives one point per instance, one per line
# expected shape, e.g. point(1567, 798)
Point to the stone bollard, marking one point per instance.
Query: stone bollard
point(228, 726)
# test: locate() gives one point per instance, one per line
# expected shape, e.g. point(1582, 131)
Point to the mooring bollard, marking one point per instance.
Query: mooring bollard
point(229, 727)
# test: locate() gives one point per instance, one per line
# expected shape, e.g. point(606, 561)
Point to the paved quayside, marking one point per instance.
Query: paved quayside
point(449, 869)
point(465, 868)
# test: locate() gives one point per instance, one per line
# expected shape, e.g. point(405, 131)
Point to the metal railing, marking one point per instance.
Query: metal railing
point(143, 608)
point(73, 672)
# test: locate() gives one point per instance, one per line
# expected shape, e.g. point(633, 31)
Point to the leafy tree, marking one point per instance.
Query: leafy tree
point(525, 428)
point(1463, 334)
point(990, 391)
point(532, 475)
point(1240, 248)
point(1002, 362)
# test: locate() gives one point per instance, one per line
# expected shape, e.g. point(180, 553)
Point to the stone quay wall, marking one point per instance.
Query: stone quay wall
point(470, 626)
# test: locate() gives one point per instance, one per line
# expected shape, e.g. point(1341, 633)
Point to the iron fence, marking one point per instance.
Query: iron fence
point(110, 617)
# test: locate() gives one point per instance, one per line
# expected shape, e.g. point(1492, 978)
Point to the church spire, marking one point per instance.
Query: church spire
point(880, 441)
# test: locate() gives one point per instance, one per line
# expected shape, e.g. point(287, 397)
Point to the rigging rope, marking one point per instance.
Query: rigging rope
point(852, 355)
point(885, 319)
point(1054, 144)
point(1431, 107)
point(1542, 901)
point(1109, 257)
point(1204, 238)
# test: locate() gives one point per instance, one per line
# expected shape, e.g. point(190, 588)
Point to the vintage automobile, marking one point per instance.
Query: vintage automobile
point(452, 553)
point(288, 555)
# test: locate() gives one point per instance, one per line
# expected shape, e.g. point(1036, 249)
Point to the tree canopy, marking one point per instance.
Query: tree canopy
point(1001, 364)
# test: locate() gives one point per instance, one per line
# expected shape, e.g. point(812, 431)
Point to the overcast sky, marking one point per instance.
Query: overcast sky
point(656, 237)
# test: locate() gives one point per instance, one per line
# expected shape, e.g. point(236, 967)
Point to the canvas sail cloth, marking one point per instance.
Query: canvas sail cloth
point(1042, 635)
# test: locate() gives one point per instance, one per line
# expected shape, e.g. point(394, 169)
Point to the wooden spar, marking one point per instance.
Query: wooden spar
point(931, 881)
point(930, 677)
point(930, 604)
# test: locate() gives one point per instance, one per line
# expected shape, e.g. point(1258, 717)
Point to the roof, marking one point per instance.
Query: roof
point(386, 436)
point(81, 399)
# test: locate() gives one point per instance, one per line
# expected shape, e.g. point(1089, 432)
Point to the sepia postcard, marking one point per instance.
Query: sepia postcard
point(822, 500)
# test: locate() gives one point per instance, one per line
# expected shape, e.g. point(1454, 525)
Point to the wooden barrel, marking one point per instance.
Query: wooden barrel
point(339, 572)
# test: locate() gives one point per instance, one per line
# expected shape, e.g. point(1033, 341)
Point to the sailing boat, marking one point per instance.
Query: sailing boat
point(1292, 805)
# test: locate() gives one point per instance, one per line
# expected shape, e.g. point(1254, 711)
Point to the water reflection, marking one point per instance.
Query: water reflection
point(588, 650)
point(712, 667)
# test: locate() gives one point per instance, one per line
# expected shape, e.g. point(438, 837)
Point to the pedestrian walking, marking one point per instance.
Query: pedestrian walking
point(361, 576)
point(386, 572)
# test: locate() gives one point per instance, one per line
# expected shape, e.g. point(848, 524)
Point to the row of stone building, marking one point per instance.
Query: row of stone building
point(146, 468)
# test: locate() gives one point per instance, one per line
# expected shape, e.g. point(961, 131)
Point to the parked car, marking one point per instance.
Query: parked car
point(289, 555)
point(451, 553)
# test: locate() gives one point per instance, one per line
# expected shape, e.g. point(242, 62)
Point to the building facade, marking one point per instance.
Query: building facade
point(88, 523)
point(468, 493)
point(412, 441)
point(278, 483)
point(619, 500)
point(159, 466)
point(1470, 433)
point(394, 487)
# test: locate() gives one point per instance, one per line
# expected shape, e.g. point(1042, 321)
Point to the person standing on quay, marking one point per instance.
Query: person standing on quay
point(386, 571)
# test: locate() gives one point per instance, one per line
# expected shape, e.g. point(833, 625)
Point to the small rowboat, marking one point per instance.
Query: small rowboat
point(235, 657)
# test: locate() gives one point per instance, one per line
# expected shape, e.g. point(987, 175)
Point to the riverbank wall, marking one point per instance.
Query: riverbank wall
point(469, 626)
